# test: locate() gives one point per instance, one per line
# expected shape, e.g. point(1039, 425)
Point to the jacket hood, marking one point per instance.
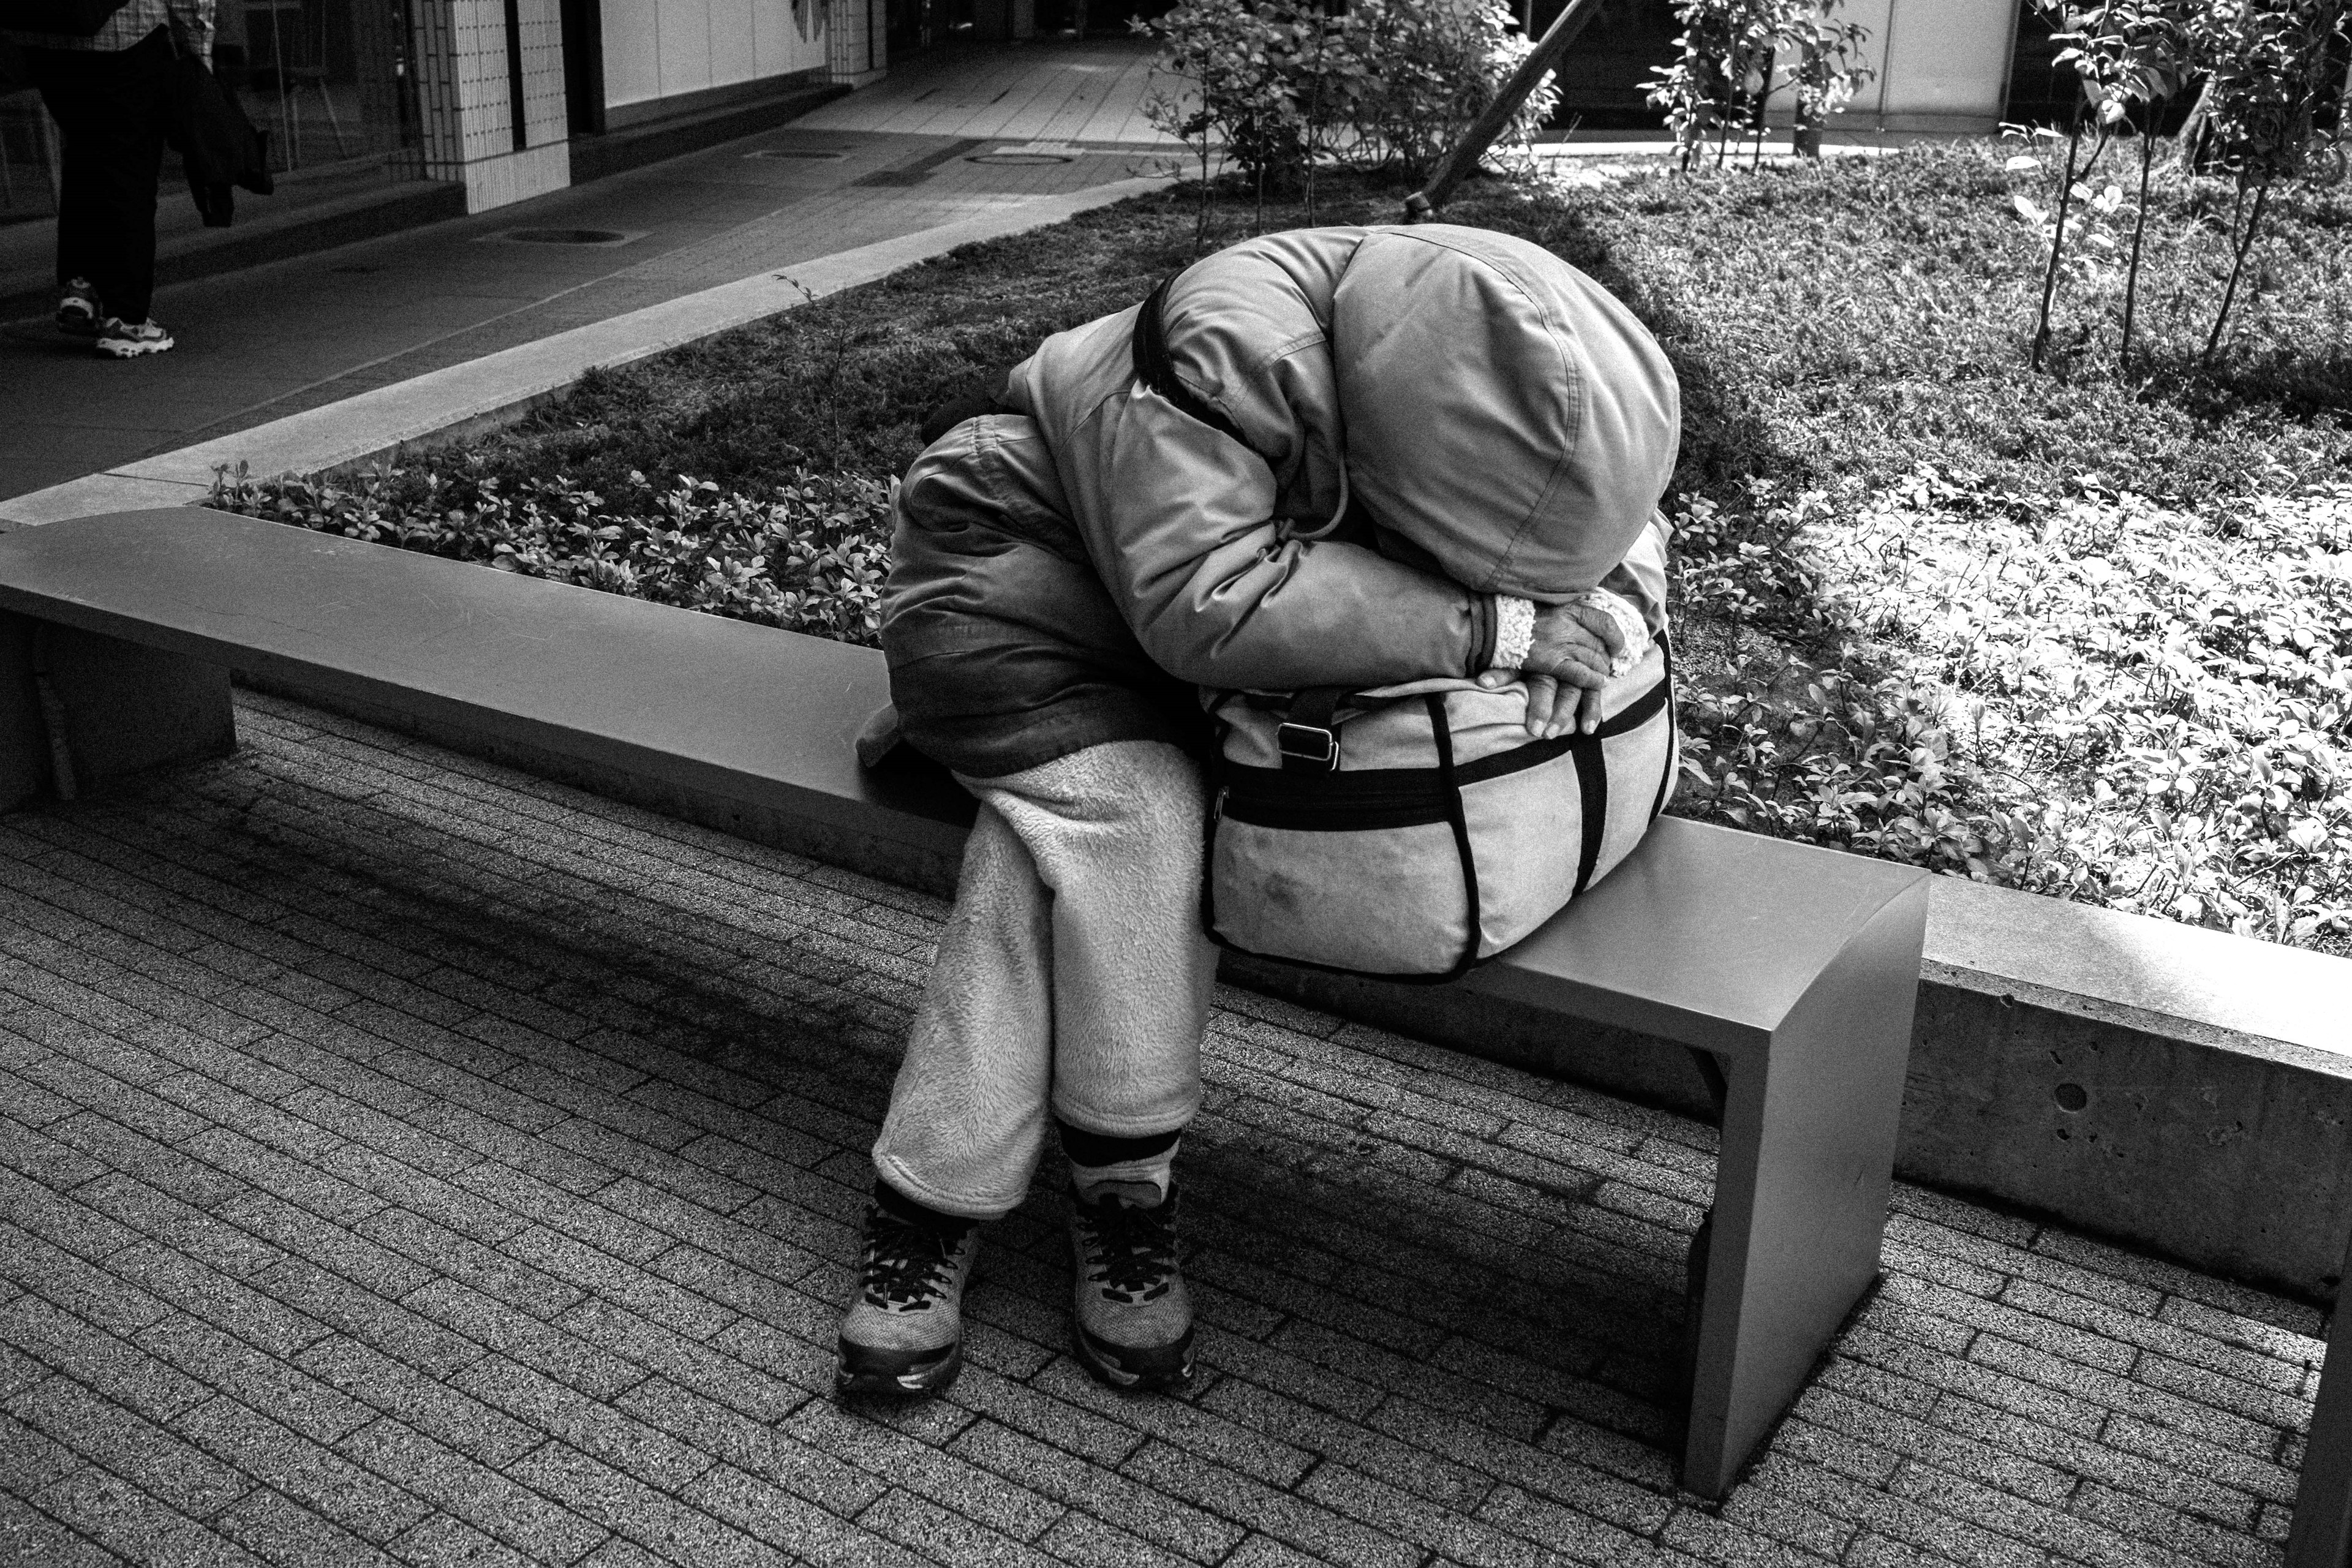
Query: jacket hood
point(1503, 411)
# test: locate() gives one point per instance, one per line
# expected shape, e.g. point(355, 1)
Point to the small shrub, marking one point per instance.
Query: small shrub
point(1280, 84)
point(1434, 66)
point(1726, 60)
point(2268, 65)
point(1257, 66)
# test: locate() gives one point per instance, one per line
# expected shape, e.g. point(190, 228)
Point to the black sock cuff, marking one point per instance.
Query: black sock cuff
point(1085, 1148)
point(913, 1212)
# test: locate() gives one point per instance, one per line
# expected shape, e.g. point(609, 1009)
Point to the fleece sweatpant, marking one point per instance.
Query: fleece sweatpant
point(1072, 981)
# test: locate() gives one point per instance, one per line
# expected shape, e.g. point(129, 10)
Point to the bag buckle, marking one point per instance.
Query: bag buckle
point(1308, 745)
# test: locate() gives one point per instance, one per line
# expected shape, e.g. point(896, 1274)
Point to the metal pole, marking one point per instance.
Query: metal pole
point(1463, 155)
point(285, 114)
point(1886, 65)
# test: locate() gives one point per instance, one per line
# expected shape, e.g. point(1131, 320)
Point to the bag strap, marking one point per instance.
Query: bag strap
point(1593, 805)
point(1157, 370)
point(1441, 732)
point(1674, 719)
point(1307, 737)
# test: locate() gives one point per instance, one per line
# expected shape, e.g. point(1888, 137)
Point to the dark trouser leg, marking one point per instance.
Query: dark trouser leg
point(109, 105)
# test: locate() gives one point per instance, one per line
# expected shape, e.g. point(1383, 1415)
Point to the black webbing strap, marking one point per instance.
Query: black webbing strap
point(1157, 370)
point(1592, 791)
point(1307, 737)
point(1441, 731)
point(1667, 780)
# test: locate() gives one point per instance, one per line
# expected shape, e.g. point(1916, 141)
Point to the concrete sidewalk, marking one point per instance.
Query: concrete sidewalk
point(404, 1161)
point(261, 344)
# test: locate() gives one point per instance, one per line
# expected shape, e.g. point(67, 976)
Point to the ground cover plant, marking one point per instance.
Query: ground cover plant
point(2060, 631)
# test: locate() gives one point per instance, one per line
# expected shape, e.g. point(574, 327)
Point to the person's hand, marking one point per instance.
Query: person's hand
point(1566, 666)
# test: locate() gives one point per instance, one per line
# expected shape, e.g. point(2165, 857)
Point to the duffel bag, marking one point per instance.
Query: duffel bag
point(1411, 831)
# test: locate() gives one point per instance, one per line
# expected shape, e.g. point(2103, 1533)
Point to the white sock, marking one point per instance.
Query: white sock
point(1143, 1183)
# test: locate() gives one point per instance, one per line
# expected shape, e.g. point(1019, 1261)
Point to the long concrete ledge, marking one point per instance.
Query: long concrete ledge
point(468, 399)
point(2185, 1092)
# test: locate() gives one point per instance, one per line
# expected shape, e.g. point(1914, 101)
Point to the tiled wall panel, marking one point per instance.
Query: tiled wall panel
point(465, 94)
point(545, 114)
point(856, 53)
point(437, 89)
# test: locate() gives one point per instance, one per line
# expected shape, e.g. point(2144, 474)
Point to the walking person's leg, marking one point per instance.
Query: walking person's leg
point(65, 78)
point(110, 107)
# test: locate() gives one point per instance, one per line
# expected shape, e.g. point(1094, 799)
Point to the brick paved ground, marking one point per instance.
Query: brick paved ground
point(406, 1161)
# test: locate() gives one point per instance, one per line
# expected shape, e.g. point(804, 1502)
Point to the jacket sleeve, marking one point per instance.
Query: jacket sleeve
point(1641, 578)
point(1179, 525)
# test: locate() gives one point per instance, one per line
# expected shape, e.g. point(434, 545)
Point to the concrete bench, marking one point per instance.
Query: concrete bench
point(1792, 970)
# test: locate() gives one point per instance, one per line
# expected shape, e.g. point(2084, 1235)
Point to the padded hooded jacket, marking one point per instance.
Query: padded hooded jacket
point(1427, 417)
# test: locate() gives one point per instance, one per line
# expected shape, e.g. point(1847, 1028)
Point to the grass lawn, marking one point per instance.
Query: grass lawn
point(2069, 632)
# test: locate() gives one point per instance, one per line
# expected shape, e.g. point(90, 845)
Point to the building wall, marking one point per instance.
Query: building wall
point(663, 48)
point(1942, 65)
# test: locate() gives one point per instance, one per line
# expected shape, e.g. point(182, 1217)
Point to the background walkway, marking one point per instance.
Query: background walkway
point(291, 335)
point(405, 1160)
point(1052, 89)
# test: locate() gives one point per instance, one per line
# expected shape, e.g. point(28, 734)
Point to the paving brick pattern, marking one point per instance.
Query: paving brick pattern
point(404, 1161)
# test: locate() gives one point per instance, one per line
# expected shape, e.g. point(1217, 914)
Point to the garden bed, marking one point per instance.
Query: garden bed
point(2063, 631)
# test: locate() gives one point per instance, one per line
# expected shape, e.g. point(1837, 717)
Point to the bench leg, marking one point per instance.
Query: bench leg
point(1808, 1154)
point(78, 710)
point(2321, 1536)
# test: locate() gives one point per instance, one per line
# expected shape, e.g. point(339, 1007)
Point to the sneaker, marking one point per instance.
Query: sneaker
point(77, 308)
point(123, 341)
point(1134, 1316)
point(903, 1334)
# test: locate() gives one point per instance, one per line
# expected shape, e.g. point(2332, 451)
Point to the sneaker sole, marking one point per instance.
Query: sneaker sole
point(78, 326)
point(1159, 1369)
point(115, 348)
point(862, 1374)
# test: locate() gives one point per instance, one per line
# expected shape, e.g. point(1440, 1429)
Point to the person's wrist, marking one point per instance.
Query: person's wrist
point(1515, 632)
point(1633, 632)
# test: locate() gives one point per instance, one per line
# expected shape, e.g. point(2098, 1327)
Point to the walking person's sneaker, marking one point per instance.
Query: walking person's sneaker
point(1134, 1317)
point(123, 339)
point(77, 308)
point(903, 1334)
